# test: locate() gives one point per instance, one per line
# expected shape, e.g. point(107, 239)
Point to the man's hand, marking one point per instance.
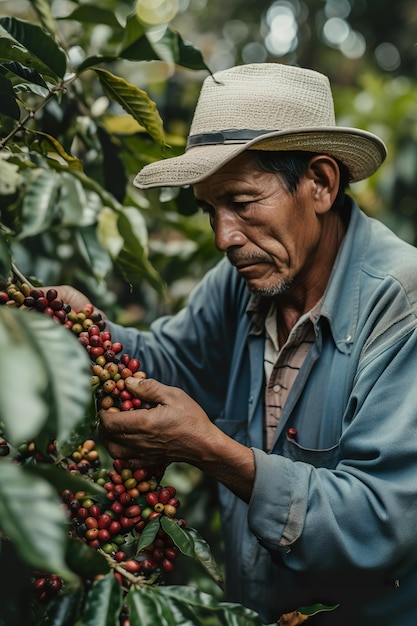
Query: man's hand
point(177, 429)
point(172, 431)
point(75, 298)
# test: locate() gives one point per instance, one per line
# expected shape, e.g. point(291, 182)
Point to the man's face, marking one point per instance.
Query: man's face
point(269, 234)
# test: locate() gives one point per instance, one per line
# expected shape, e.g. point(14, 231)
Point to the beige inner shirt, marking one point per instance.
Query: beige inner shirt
point(283, 364)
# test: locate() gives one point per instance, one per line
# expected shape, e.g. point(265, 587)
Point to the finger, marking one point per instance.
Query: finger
point(148, 389)
point(119, 451)
point(135, 464)
point(119, 425)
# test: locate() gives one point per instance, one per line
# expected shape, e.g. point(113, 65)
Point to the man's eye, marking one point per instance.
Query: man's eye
point(240, 206)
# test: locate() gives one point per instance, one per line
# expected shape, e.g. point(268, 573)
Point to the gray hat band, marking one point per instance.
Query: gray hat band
point(230, 135)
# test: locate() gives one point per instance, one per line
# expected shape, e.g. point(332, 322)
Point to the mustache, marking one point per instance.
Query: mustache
point(237, 257)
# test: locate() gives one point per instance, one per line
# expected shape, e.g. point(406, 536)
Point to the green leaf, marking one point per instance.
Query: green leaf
point(31, 76)
point(239, 615)
point(135, 270)
point(123, 234)
point(104, 602)
point(81, 431)
point(61, 479)
point(53, 145)
point(165, 610)
point(10, 177)
point(31, 88)
point(193, 545)
point(172, 48)
point(85, 561)
point(39, 202)
point(10, 50)
point(140, 45)
point(64, 610)
point(134, 101)
point(133, 259)
point(93, 252)
point(204, 556)
point(233, 614)
point(93, 14)
point(5, 257)
point(53, 369)
point(179, 536)
point(180, 612)
point(145, 609)
point(30, 515)
point(15, 576)
point(88, 183)
point(188, 55)
point(135, 45)
point(148, 534)
point(132, 227)
point(90, 62)
point(38, 42)
point(108, 232)
point(43, 10)
point(8, 104)
point(77, 205)
point(316, 608)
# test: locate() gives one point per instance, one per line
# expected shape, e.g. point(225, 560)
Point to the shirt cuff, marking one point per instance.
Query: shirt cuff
point(278, 505)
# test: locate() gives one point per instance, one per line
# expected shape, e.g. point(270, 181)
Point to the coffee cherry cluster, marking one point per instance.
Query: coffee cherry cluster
point(46, 586)
point(114, 523)
point(133, 498)
point(84, 458)
point(19, 293)
point(32, 298)
point(14, 294)
point(109, 371)
point(109, 367)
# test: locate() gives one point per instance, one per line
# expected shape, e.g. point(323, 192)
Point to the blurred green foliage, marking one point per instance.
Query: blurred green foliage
point(367, 49)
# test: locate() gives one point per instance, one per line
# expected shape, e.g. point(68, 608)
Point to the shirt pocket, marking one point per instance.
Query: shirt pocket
point(317, 457)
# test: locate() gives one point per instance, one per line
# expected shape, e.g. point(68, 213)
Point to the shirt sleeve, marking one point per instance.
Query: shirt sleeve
point(193, 348)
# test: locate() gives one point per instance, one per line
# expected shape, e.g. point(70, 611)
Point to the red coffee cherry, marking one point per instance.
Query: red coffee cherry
point(132, 566)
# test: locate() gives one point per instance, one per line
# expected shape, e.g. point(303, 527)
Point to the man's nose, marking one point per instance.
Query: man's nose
point(227, 232)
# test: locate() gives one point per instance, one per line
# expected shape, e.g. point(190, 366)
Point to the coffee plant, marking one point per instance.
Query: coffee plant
point(119, 531)
point(76, 125)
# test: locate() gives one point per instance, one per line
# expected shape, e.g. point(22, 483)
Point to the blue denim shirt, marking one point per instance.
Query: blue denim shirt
point(333, 513)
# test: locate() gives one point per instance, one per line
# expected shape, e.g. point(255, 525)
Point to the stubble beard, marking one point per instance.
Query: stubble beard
point(279, 288)
point(273, 290)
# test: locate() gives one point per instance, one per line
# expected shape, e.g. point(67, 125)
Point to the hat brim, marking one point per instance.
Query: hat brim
point(362, 152)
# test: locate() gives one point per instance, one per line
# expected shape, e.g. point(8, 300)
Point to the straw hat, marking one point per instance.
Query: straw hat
point(264, 106)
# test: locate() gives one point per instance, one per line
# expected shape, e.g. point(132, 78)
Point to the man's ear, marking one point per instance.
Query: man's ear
point(324, 174)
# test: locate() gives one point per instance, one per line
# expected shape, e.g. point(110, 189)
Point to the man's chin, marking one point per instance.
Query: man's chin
point(269, 291)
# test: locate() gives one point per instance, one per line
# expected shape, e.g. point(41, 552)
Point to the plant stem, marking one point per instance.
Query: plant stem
point(32, 112)
point(137, 581)
point(20, 276)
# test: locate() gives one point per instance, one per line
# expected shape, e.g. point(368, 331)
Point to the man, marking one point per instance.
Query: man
point(289, 376)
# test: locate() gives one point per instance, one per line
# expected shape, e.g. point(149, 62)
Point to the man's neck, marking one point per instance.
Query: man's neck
point(309, 289)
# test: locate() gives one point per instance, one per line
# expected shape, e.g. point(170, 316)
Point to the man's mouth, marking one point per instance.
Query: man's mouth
point(241, 267)
point(244, 263)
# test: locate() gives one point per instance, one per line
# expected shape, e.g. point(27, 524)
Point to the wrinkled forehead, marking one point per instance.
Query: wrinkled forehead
point(240, 180)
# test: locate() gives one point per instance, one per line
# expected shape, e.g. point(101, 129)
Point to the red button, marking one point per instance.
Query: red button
point(291, 433)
